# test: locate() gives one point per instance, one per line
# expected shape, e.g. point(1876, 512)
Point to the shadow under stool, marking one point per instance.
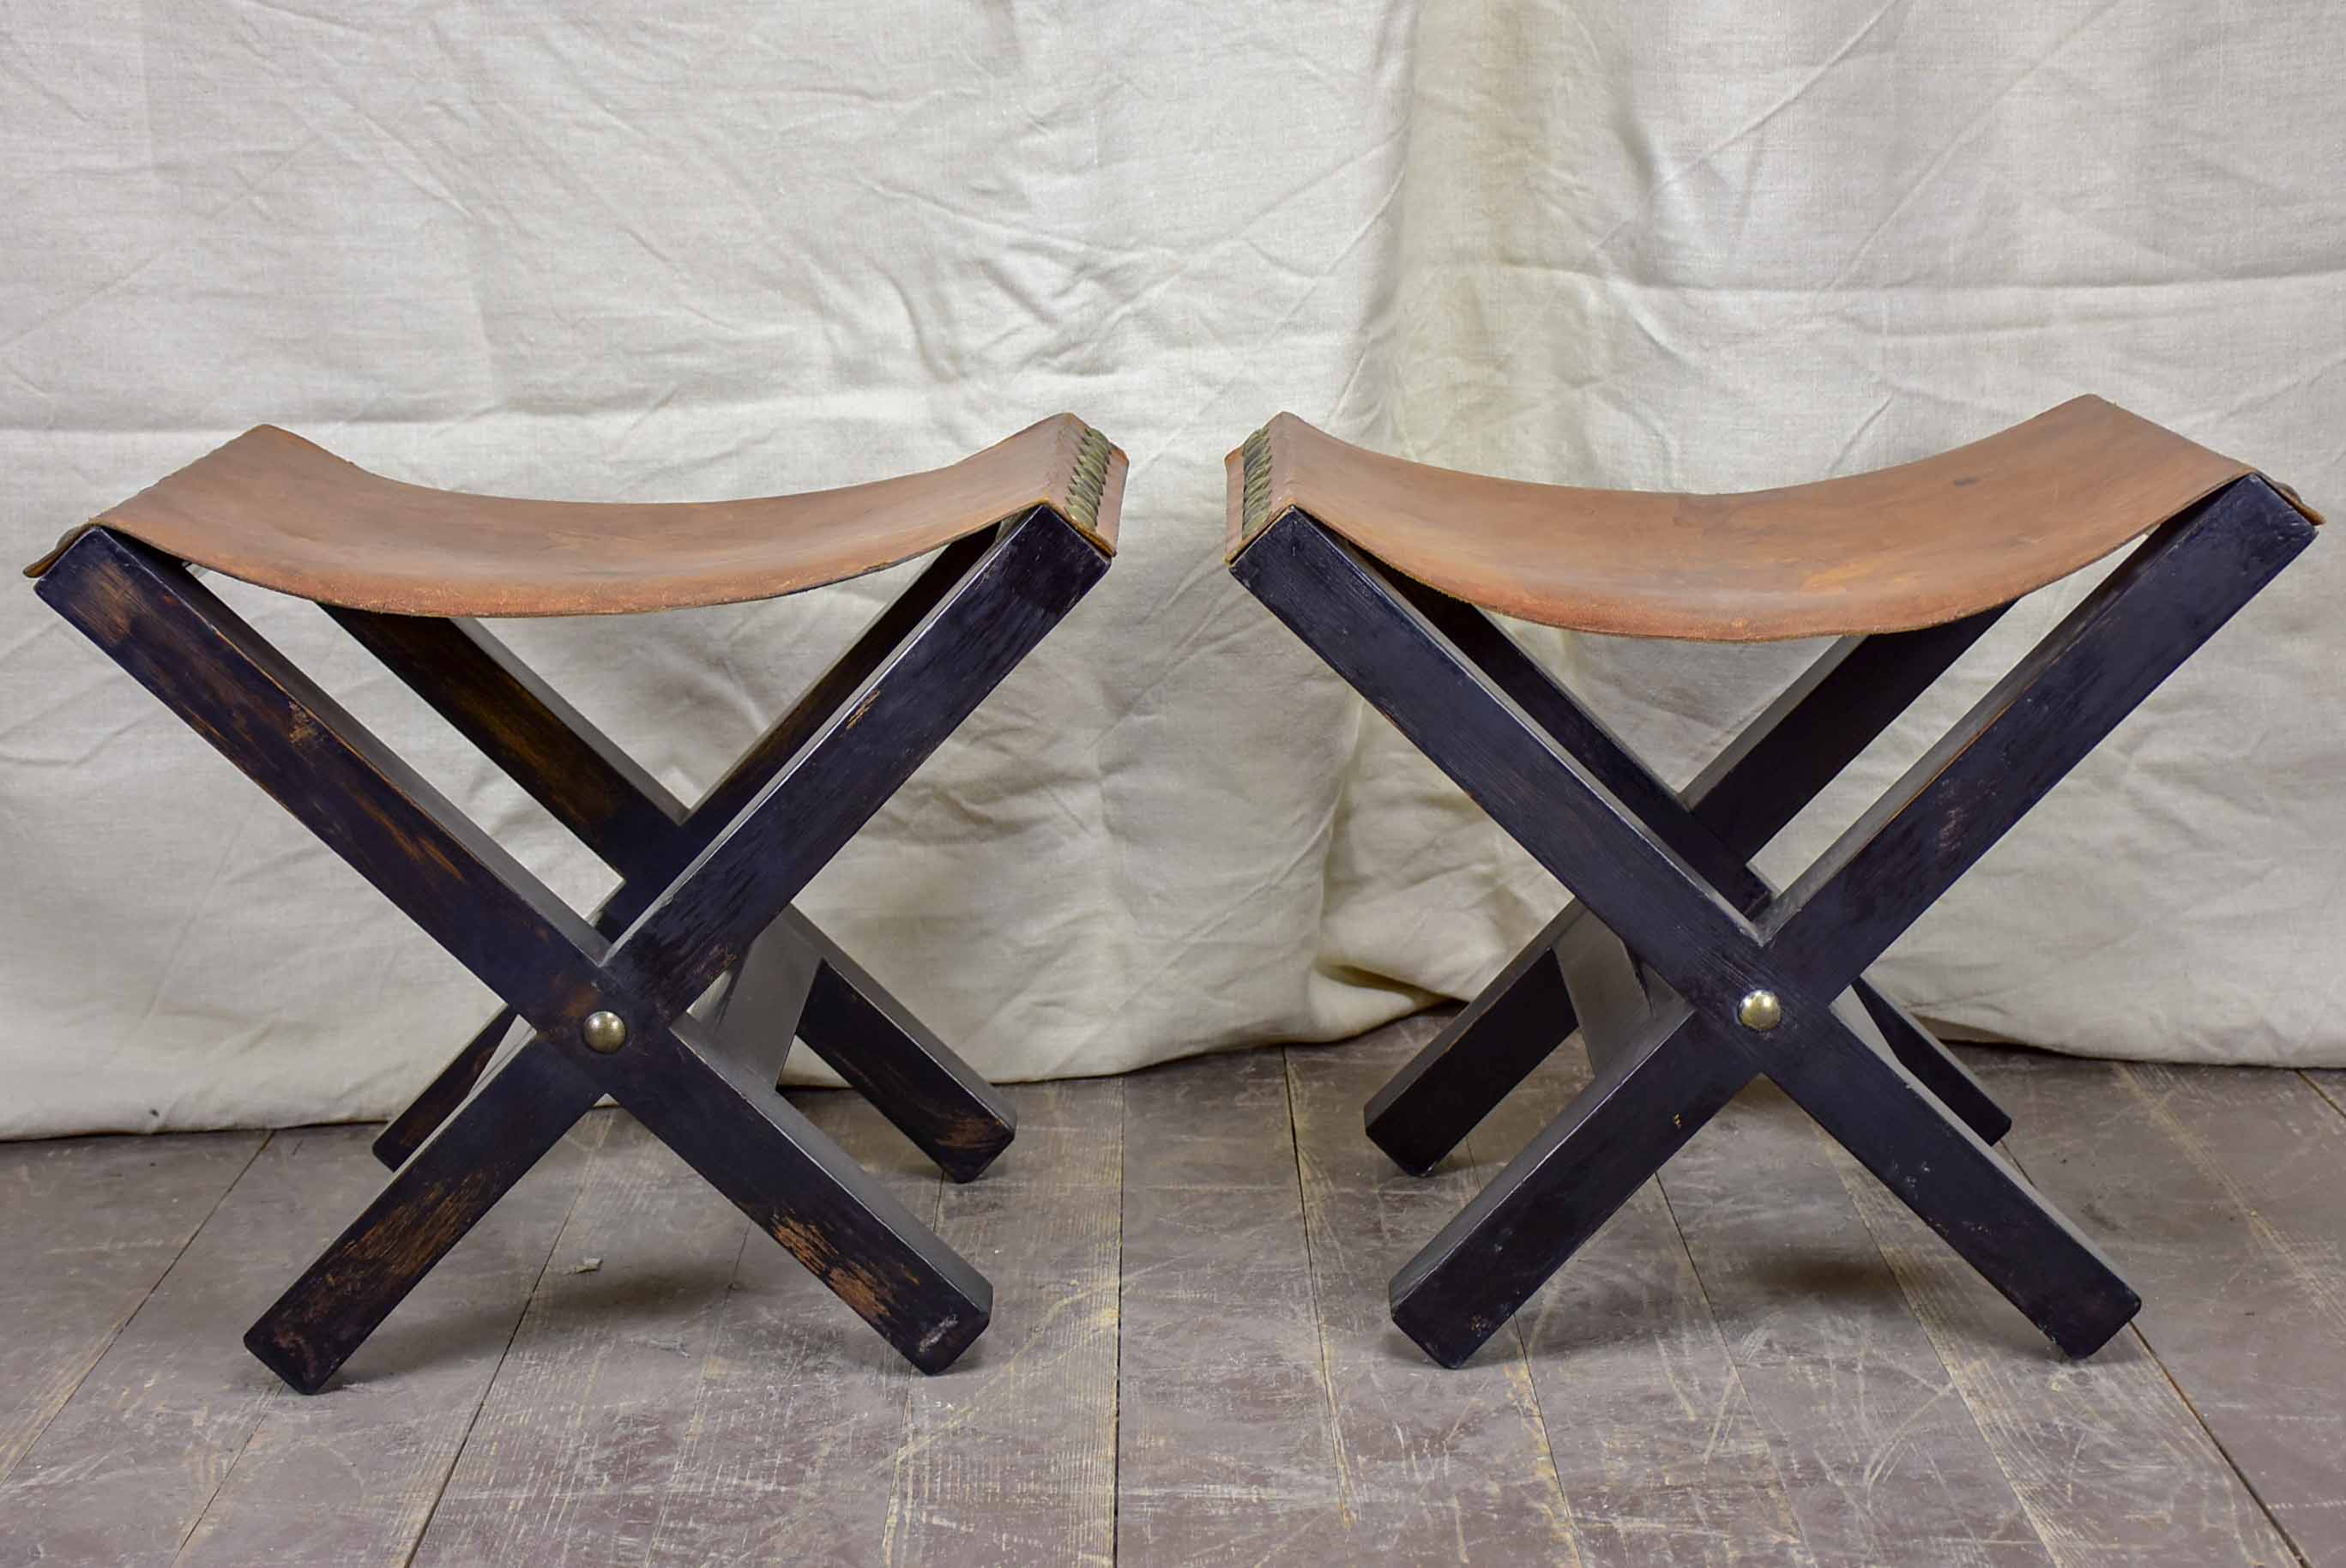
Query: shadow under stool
point(625, 1002)
point(1686, 972)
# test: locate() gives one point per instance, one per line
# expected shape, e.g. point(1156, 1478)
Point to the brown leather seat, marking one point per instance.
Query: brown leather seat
point(276, 510)
point(1904, 547)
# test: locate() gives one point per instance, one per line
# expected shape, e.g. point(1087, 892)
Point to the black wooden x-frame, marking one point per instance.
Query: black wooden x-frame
point(636, 828)
point(1732, 979)
point(707, 893)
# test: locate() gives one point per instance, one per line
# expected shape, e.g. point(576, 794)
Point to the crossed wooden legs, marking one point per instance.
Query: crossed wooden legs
point(1748, 795)
point(794, 981)
point(704, 893)
point(1733, 979)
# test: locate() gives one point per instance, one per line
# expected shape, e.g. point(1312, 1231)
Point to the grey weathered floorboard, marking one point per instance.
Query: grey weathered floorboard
point(1226, 1450)
point(2331, 1084)
point(2218, 1189)
point(813, 1445)
point(1805, 1376)
point(351, 1475)
point(130, 1466)
point(793, 1419)
point(90, 1226)
point(2109, 1462)
point(1011, 1456)
point(1881, 1457)
point(1660, 1457)
point(571, 1456)
point(1436, 1466)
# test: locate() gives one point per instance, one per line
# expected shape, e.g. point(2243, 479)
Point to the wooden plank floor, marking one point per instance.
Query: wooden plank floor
point(1763, 1359)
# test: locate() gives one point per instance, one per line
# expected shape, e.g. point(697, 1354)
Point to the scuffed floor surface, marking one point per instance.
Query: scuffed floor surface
point(1761, 1360)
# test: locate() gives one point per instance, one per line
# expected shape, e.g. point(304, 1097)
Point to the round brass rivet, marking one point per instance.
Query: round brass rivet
point(603, 1032)
point(1759, 1009)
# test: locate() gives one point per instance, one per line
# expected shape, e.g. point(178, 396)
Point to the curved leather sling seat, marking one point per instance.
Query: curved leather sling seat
point(1894, 550)
point(278, 511)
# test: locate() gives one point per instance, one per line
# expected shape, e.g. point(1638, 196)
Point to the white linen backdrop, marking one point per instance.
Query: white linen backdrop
point(722, 249)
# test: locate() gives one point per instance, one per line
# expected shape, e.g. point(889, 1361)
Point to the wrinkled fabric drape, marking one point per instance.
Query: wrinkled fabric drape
point(732, 249)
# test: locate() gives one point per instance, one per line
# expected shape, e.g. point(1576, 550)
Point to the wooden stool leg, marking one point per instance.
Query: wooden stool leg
point(408, 1131)
point(871, 1040)
point(1748, 795)
point(1431, 1105)
point(804, 1191)
point(797, 982)
point(2139, 624)
point(1935, 1067)
point(593, 787)
point(489, 1143)
point(700, 1098)
point(1960, 1189)
point(176, 637)
point(1620, 1130)
point(585, 780)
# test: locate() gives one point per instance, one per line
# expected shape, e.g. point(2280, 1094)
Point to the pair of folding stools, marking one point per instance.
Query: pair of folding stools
point(1687, 973)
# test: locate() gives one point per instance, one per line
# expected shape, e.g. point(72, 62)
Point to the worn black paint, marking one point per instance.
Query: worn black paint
point(855, 759)
point(489, 1143)
point(1743, 799)
point(588, 783)
point(934, 1097)
point(1642, 1105)
point(928, 1086)
point(406, 1132)
point(1509, 1028)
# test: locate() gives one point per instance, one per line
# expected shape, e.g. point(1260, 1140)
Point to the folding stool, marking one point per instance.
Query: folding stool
point(1020, 531)
point(1687, 973)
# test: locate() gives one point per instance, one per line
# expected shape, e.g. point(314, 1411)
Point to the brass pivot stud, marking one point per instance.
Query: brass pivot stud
point(1759, 1009)
point(603, 1032)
